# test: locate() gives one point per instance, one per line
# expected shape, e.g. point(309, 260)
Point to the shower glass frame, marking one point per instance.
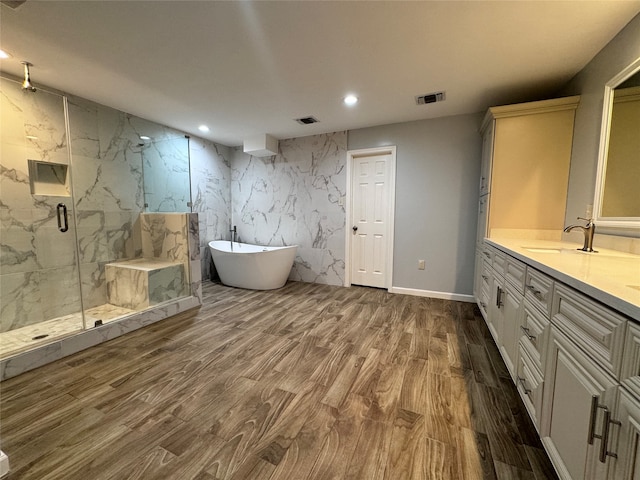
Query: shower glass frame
point(40, 277)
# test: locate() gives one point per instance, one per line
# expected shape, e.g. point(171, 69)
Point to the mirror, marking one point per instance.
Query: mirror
point(617, 199)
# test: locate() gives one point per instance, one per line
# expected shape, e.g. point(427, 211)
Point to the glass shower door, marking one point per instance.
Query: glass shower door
point(39, 281)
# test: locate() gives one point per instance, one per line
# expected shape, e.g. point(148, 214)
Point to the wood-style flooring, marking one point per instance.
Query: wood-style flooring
point(306, 382)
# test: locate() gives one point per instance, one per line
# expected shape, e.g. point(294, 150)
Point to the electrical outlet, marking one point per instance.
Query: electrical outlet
point(420, 264)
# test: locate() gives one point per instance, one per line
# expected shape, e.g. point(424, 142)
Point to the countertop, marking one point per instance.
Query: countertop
point(609, 276)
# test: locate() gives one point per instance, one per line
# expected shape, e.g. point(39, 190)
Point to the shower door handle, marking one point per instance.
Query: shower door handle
point(63, 222)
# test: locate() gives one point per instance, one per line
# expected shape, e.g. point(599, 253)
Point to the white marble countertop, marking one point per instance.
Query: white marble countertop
point(609, 276)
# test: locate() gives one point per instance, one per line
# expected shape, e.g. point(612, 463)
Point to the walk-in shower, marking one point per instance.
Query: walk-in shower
point(72, 202)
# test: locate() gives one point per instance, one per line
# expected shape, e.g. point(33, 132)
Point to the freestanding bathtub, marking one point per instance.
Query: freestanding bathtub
point(252, 266)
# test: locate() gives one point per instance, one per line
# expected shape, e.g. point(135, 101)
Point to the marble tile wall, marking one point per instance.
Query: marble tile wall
point(211, 195)
point(110, 168)
point(165, 236)
point(108, 190)
point(293, 198)
point(37, 262)
point(165, 162)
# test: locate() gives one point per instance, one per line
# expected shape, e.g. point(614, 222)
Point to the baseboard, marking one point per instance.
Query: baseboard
point(4, 464)
point(458, 297)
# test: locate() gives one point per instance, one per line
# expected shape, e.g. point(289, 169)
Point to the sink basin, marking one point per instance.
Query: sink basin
point(543, 250)
point(636, 287)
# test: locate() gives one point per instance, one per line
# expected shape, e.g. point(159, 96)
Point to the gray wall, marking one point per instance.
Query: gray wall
point(589, 83)
point(437, 172)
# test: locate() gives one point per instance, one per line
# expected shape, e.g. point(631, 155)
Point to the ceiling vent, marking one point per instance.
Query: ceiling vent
point(430, 98)
point(306, 120)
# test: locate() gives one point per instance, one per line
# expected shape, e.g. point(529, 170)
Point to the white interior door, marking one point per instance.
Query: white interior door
point(371, 209)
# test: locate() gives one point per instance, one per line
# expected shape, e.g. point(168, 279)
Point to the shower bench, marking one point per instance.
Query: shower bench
point(142, 282)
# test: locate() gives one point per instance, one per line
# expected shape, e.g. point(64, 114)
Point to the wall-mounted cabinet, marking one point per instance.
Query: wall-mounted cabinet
point(525, 166)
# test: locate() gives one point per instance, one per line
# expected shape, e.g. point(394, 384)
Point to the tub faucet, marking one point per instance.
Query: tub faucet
point(589, 229)
point(234, 236)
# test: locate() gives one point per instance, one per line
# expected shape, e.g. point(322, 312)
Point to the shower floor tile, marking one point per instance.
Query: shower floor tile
point(25, 338)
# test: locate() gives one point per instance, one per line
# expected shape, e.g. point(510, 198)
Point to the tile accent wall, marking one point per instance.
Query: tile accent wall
point(108, 191)
point(210, 194)
point(293, 198)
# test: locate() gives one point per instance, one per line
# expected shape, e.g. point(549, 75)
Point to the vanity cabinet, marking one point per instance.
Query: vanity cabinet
point(504, 311)
point(575, 363)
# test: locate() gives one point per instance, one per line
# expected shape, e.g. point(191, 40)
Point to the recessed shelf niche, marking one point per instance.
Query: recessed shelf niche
point(48, 178)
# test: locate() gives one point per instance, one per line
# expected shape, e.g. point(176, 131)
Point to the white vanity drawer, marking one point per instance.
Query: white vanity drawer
point(630, 376)
point(499, 262)
point(485, 276)
point(484, 302)
point(538, 290)
point(534, 330)
point(515, 273)
point(530, 382)
point(487, 253)
point(596, 329)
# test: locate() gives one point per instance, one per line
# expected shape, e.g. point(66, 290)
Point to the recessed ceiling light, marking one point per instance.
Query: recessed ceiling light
point(4, 54)
point(203, 128)
point(144, 137)
point(350, 100)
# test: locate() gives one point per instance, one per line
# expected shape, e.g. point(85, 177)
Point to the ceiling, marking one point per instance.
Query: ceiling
point(248, 68)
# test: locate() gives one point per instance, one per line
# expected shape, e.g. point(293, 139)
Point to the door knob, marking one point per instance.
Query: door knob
point(355, 229)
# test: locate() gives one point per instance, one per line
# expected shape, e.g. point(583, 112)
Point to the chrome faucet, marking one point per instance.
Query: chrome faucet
point(589, 229)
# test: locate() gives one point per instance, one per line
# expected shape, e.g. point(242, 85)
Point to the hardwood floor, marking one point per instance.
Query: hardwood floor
point(306, 382)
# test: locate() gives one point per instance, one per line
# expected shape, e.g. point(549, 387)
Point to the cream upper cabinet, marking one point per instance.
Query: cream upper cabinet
point(525, 165)
point(487, 154)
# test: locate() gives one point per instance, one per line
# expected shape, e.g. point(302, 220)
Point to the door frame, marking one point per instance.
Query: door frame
point(367, 152)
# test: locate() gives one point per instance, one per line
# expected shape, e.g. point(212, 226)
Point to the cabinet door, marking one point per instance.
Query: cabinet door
point(487, 154)
point(530, 383)
point(512, 306)
point(576, 393)
point(477, 279)
point(495, 309)
point(627, 465)
point(483, 212)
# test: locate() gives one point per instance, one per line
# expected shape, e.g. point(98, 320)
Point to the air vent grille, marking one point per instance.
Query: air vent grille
point(306, 120)
point(430, 98)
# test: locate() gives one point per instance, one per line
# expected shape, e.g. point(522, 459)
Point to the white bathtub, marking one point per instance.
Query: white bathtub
point(252, 266)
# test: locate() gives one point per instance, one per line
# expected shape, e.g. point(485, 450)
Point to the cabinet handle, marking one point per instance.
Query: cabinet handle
point(499, 297)
point(485, 278)
point(604, 440)
point(522, 381)
point(531, 338)
point(595, 400)
point(606, 425)
point(486, 254)
point(536, 293)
